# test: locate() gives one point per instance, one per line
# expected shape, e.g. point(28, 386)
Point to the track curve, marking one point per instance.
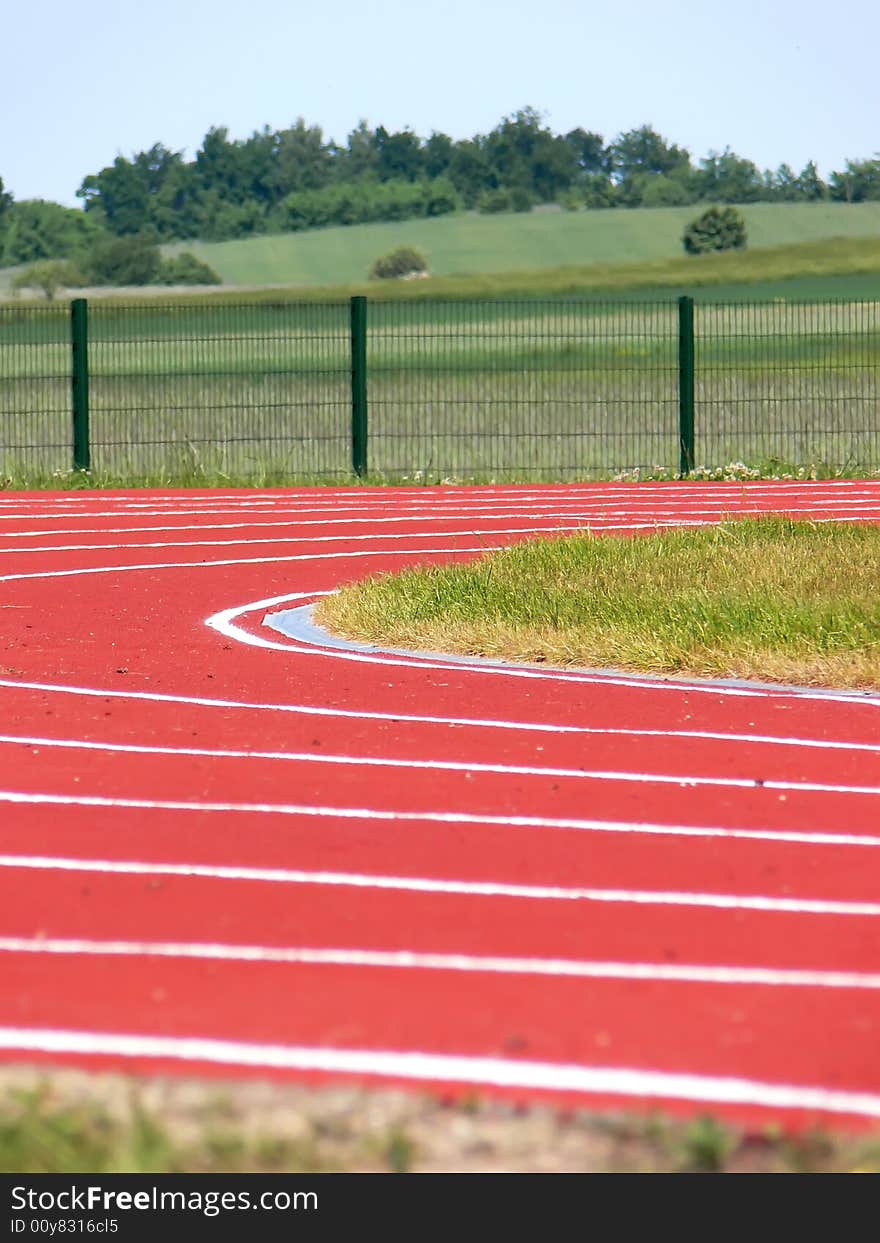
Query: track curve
point(231, 849)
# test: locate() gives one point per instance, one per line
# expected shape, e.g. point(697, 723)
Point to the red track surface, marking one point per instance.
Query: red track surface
point(252, 855)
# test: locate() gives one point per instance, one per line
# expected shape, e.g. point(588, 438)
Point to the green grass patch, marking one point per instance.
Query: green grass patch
point(765, 598)
point(477, 245)
point(843, 266)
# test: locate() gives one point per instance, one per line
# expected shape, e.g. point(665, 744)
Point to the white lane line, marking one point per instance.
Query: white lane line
point(586, 525)
point(462, 888)
point(447, 1068)
point(459, 515)
point(476, 722)
point(224, 623)
point(679, 492)
point(447, 514)
point(296, 709)
point(209, 565)
point(650, 515)
point(682, 780)
point(469, 532)
point(598, 512)
point(478, 964)
point(806, 837)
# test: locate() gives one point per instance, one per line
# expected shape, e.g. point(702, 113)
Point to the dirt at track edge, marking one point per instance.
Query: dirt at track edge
point(54, 1119)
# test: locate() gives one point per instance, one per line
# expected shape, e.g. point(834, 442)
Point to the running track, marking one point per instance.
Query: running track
point(230, 851)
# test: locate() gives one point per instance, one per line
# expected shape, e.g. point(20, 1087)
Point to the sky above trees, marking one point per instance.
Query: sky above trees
point(788, 81)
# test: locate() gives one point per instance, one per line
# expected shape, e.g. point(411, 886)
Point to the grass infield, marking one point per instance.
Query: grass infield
point(768, 599)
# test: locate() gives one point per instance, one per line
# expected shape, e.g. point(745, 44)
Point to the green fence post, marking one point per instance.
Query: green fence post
point(359, 385)
point(685, 385)
point(79, 382)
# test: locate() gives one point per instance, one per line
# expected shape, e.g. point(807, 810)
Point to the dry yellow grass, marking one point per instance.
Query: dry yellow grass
point(765, 599)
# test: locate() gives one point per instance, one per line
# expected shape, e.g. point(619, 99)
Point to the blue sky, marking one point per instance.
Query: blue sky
point(777, 80)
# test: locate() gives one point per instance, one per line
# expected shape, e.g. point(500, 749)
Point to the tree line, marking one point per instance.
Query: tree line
point(291, 179)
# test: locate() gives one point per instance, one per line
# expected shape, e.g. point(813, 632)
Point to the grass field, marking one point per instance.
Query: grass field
point(469, 243)
point(763, 598)
point(516, 389)
point(72, 1122)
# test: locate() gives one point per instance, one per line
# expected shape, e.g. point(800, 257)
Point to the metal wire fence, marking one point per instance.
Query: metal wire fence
point(35, 389)
point(798, 382)
point(570, 388)
point(239, 390)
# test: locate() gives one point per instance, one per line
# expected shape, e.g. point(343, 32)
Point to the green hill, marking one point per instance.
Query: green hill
point(471, 244)
point(841, 268)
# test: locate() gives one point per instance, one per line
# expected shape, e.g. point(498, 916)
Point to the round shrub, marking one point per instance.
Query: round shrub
point(186, 269)
point(492, 201)
point(402, 262)
point(719, 228)
point(520, 199)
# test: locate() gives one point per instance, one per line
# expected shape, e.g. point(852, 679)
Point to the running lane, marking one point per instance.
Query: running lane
point(231, 847)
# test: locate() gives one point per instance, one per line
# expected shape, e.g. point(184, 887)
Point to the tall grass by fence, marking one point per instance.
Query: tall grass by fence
point(518, 389)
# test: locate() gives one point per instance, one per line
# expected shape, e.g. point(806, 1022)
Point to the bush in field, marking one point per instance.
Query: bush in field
point(717, 229)
point(402, 262)
point(49, 275)
point(186, 269)
point(492, 201)
point(124, 261)
point(521, 199)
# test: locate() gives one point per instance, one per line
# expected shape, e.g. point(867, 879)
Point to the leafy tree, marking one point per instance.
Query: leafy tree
point(222, 221)
point(293, 178)
point(122, 196)
point(5, 200)
point(437, 154)
point(400, 155)
point(34, 230)
point(859, 181)
point(470, 170)
point(257, 160)
point(783, 184)
point(218, 167)
point(360, 156)
point(124, 261)
point(639, 154)
point(728, 178)
point(304, 161)
point(643, 150)
point(589, 151)
point(718, 228)
point(399, 263)
point(810, 184)
point(49, 275)
point(526, 155)
point(662, 190)
point(598, 191)
point(362, 202)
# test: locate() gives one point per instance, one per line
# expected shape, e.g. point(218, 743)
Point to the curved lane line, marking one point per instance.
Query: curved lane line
point(688, 505)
